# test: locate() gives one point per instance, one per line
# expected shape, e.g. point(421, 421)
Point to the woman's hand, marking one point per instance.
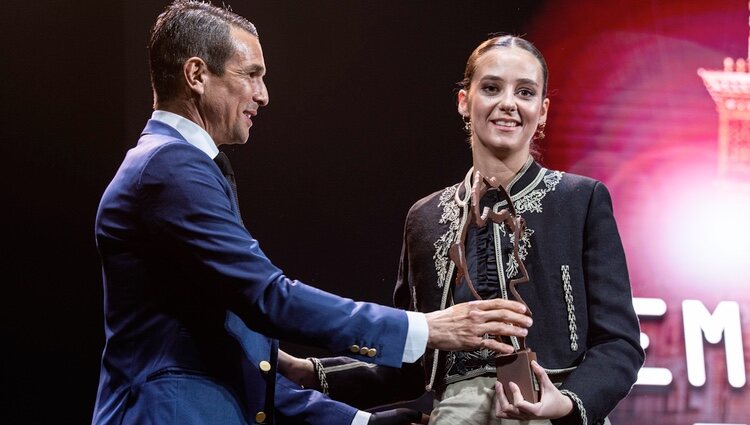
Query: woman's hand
point(552, 404)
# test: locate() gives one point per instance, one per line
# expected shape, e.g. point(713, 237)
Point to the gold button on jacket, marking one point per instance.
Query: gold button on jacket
point(264, 366)
point(260, 417)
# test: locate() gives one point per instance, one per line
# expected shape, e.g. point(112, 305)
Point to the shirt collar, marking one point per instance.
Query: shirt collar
point(191, 131)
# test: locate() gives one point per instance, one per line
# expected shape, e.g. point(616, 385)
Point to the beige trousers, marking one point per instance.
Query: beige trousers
point(472, 402)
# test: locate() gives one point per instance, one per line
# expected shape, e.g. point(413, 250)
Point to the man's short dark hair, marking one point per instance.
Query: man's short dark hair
point(190, 28)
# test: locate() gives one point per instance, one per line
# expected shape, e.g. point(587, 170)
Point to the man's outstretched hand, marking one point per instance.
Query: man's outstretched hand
point(461, 327)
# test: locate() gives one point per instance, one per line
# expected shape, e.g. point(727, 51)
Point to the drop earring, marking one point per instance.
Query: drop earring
point(467, 124)
point(539, 133)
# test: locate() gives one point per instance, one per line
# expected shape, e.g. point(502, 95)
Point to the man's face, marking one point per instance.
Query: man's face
point(231, 100)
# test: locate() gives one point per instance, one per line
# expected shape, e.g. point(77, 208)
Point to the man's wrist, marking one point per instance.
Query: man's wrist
point(416, 337)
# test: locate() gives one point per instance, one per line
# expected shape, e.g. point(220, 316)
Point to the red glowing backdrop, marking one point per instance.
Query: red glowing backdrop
point(629, 108)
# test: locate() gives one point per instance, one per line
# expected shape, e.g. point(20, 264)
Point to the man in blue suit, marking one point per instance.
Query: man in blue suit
point(192, 305)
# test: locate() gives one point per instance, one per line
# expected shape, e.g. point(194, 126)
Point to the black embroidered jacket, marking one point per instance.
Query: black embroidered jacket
point(584, 323)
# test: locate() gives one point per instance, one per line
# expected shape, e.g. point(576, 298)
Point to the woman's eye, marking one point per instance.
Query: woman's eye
point(526, 93)
point(490, 89)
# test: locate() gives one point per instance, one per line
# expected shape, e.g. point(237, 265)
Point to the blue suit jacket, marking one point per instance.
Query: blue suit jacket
point(192, 304)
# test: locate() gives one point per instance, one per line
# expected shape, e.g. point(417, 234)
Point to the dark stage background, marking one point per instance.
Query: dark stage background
point(362, 123)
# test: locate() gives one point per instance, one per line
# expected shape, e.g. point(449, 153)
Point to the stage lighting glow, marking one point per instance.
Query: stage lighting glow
point(706, 233)
point(672, 147)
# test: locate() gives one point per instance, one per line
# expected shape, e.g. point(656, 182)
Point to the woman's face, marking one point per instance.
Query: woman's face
point(504, 102)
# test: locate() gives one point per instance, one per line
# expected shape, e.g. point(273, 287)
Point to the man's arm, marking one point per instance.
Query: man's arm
point(300, 405)
point(365, 385)
point(362, 385)
point(295, 404)
point(191, 212)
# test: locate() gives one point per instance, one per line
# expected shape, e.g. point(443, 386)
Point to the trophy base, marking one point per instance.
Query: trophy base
point(516, 368)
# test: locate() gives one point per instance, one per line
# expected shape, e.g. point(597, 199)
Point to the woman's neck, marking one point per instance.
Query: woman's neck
point(503, 170)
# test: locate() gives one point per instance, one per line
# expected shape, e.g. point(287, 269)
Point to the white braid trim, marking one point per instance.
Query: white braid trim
point(568, 290)
point(579, 404)
point(321, 372)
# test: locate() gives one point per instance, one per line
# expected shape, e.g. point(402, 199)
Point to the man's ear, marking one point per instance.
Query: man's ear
point(195, 72)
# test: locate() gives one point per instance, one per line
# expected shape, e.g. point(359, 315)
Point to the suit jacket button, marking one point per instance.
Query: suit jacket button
point(372, 352)
point(264, 366)
point(260, 417)
point(354, 348)
point(363, 351)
